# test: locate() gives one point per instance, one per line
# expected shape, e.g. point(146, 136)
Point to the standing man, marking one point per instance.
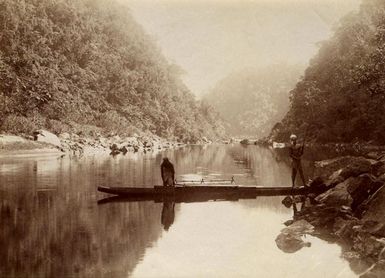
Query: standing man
point(168, 172)
point(296, 152)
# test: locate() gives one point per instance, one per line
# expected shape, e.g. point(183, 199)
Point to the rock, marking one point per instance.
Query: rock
point(65, 136)
point(46, 137)
point(368, 245)
point(344, 229)
point(323, 217)
point(337, 196)
point(245, 142)
point(375, 207)
point(356, 262)
point(334, 178)
point(351, 192)
point(148, 144)
point(114, 152)
point(339, 224)
point(376, 271)
point(374, 228)
point(317, 182)
point(381, 178)
point(378, 168)
point(360, 188)
point(356, 168)
point(205, 140)
point(123, 149)
point(377, 155)
point(114, 147)
point(350, 255)
point(116, 138)
point(352, 166)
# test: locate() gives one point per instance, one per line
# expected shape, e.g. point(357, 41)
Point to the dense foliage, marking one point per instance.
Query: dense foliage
point(87, 66)
point(251, 101)
point(341, 97)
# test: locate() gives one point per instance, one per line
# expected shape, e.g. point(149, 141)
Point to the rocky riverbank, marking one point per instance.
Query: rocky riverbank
point(43, 142)
point(350, 212)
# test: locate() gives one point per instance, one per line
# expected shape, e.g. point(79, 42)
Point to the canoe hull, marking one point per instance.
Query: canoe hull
point(203, 190)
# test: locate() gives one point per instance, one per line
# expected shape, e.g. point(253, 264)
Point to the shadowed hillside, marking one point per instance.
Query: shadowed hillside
point(342, 94)
point(86, 66)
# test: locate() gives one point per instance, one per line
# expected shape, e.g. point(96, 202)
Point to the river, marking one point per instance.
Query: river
point(52, 225)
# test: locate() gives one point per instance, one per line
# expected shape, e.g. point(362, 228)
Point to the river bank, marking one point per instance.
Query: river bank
point(350, 212)
point(43, 142)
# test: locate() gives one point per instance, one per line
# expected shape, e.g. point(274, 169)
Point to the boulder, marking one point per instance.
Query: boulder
point(375, 228)
point(337, 196)
point(373, 155)
point(351, 165)
point(381, 178)
point(375, 207)
point(245, 142)
point(378, 168)
point(360, 188)
point(344, 229)
point(334, 178)
point(123, 150)
point(376, 271)
point(148, 144)
point(114, 147)
point(368, 245)
point(356, 168)
point(352, 192)
point(45, 136)
point(65, 136)
point(317, 182)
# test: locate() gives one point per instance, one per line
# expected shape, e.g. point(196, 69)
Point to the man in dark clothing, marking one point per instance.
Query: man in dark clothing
point(296, 151)
point(168, 172)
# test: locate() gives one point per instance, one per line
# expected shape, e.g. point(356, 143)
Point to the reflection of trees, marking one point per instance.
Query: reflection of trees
point(51, 224)
point(44, 234)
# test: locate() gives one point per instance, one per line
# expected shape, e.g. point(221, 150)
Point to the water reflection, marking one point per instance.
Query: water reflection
point(52, 226)
point(168, 215)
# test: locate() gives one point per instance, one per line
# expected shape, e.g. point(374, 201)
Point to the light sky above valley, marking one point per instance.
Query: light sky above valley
point(210, 39)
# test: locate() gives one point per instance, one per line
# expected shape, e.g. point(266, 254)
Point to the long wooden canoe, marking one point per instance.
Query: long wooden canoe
point(203, 190)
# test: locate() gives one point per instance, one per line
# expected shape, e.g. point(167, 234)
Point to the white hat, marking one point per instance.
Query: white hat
point(293, 137)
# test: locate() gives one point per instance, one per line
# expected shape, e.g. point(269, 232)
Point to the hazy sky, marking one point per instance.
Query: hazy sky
point(212, 38)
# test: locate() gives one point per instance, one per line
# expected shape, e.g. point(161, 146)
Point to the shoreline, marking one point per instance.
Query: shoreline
point(47, 144)
point(350, 212)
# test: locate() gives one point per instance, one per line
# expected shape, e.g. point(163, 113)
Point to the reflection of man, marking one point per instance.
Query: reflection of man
point(168, 215)
point(168, 172)
point(296, 152)
point(296, 213)
point(292, 202)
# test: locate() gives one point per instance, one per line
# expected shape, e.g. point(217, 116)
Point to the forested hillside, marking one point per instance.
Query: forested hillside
point(86, 66)
point(251, 101)
point(342, 95)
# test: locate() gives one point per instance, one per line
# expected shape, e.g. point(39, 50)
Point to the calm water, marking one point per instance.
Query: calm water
point(52, 226)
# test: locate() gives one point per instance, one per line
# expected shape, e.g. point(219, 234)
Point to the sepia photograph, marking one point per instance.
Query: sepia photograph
point(192, 138)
